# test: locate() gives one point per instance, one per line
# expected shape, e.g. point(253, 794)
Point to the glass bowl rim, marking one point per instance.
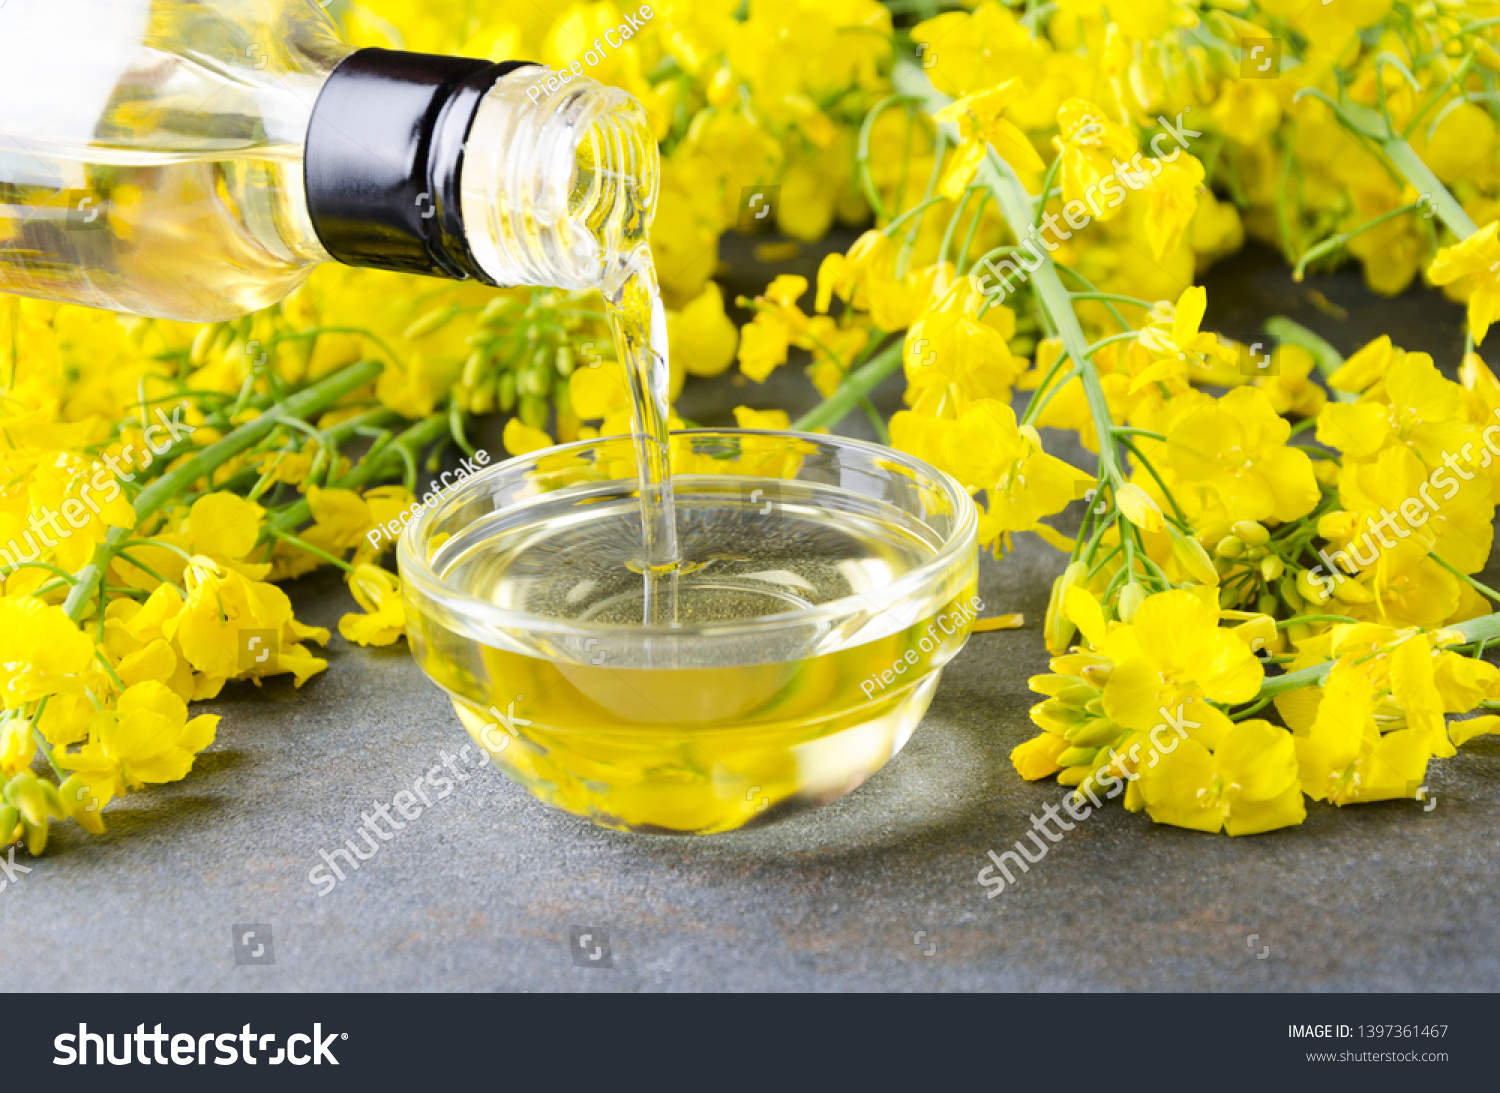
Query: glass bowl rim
point(414, 567)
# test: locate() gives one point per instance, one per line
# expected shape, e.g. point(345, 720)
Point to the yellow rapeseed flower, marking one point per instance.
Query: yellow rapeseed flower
point(1472, 266)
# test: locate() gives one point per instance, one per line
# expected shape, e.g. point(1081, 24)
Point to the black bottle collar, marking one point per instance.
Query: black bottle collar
point(385, 150)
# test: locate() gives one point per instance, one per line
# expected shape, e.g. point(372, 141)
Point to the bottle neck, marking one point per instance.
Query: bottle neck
point(560, 183)
point(384, 160)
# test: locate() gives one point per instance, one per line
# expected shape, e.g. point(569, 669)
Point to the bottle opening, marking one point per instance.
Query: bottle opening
point(558, 188)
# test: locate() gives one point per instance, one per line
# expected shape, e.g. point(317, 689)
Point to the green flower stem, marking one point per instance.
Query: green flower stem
point(1124, 336)
point(1048, 389)
point(1284, 623)
point(1291, 681)
point(952, 228)
point(109, 668)
point(1328, 359)
point(920, 207)
point(335, 436)
point(962, 264)
point(1133, 301)
point(1486, 628)
point(318, 552)
point(123, 552)
point(1015, 206)
point(855, 388)
point(1335, 242)
point(398, 451)
point(1102, 561)
point(311, 400)
point(877, 422)
point(1041, 202)
point(1250, 711)
point(1420, 176)
point(41, 741)
point(63, 573)
point(1177, 517)
point(1095, 294)
point(1485, 590)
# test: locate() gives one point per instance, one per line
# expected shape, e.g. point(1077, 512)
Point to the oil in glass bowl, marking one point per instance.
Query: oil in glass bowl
point(821, 587)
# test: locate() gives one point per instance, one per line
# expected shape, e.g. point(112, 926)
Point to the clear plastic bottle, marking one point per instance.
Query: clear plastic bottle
point(196, 159)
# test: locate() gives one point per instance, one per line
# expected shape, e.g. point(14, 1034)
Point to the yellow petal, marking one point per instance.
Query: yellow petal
point(1461, 732)
point(224, 525)
point(521, 439)
point(1037, 758)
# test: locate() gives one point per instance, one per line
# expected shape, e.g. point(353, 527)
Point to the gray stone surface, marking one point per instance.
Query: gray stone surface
point(875, 892)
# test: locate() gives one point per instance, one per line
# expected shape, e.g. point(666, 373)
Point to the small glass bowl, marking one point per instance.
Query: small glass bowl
point(721, 720)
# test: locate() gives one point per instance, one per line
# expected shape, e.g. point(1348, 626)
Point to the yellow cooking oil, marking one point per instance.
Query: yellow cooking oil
point(715, 643)
point(717, 729)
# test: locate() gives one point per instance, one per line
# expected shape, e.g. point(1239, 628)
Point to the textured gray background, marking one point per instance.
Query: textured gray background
point(480, 893)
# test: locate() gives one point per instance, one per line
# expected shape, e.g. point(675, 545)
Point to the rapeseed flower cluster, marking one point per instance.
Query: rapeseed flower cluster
point(1271, 595)
point(1287, 528)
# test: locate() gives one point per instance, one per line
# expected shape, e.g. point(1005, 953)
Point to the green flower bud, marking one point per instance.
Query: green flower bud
point(1057, 717)
point(494, 311)
point(472, 364)
point(1131, 598)
point(1099, 732)
point(1289, 593)
point(1251, 532)
point(483, 399)
point(1076, 757)
point(1271, 567)
point(1194, 559)
point(1352, 592)
point(430, 323)
point(1311, 589)
point(535, 381)
point(535, 411)
point(505, 392)
point(1337, 524)
point(25, 792)
point(1098, 674)
point(1056, 626)
point(36, 837)
point(1230, 547)
point(203, 343)
point(1077, 694)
